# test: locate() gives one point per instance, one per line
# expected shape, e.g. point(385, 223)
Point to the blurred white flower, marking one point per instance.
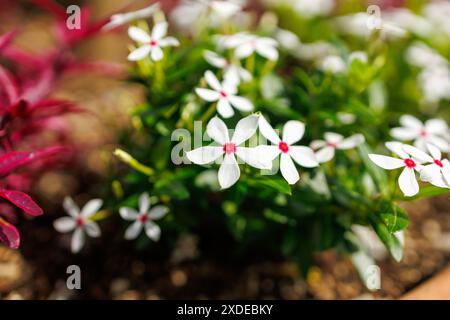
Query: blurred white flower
point(409, 21)
point(79, 222)
point(233, 72)
point(411, 159)
point(421, 55)
point(435, 84)
point(438, 171)
point(143, 219)
point(225, 94)
point(152, 44)
point(229, 171)
point(326, 148)
point(437, 13)
point(246, 44)
point(124, 18)
point(433, 132)
point(287, 39)
point(292, 133)
point(358, 55)
point(333, 64)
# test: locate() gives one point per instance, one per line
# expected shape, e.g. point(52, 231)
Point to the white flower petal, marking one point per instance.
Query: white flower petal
point(138, 35)
point(152, 230)
point(70, 207)
point(218, 131)
point(144, 203)
point(436, 126)
point(212, 81)
point(244, 74)
point(267, 153)
point(288, 169)
point(64, 224)
point(411, 122)
point(244, 50)
point(169, 42)
point(204, 155)
point(225, 9)
point(245, 129)
point(408, 183)
point(396, 148)
point(417, 154)
point(434, 151)
point(351, 142)
point(139, 53)
point(293, 131)
point(317, 144)
point(157, 54)
point(267, 51)
point(229, 171)
point(128, 213)
point(267, 131)
point(214, 59)
point(78, 239)
point(325, 154)
point(385, 162)
point(432, 173)
point(446, 171)
point(92, 229)
point(207, 94)
point(224, 108)
point(240, 103)
point(304, 156)
point(159, 30)
point(333, 137)
point(91, 207)
point(158, 212)
point(404, 134)
point(439, 142)
point(253, 157)
point(133, 230)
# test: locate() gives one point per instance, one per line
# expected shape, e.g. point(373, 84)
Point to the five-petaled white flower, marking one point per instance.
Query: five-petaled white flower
point(437, 172)
point(232, 72)
point(225, 94)
point(411, 159)
point(79, 221)
point(246, 44)
point(332, 142)
point(293, 131)
point(143, 219)
point(432, 132)
point(229, 171)
point(152, 44)
point(119, 19)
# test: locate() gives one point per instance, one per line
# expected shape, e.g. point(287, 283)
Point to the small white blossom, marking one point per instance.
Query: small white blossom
point(79, 222)
point(143, 219)
point(438, 171)
point(124, 18)
point(333, 64)
point(232, 71)
point(229, 171)
point(246, 44)
point(292, 133)
point(411, 159)
point(326, 148)
point(432, 132)
point(152, 44)
point(225, 95)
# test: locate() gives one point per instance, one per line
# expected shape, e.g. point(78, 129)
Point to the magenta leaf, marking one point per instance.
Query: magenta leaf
point(7, 38)
point(7, 82)
point(22, 201)
point(9, 234)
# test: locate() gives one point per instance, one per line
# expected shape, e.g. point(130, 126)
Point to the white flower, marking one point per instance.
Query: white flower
point(124, 18)
point(438, 171)
point(293, 131)
point(79, 221)
point(411, 159)
point(152, 44)
point(143, 219)
point(332, 142)
point(232, 72)
point(333, 64)
point(433, 132)
point(287, 39)
point(246, 44)
point(229, 171)
point(225, 94)
point(421, 55)
point(309, 9)
point(435, 83)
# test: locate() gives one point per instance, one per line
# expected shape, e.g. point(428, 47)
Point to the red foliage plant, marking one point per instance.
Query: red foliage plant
point(27, 108)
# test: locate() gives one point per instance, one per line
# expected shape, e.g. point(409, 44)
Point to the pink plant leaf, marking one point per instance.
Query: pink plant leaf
point(22, 201)
point(9, 85)
point(7, 38)
point(51, 6)
point(9, 234)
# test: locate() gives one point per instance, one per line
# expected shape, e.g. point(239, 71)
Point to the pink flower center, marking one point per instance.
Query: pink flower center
point(423, 133)
point(79, 221)
point(332, 145)
point(153, 43)
point(223, 94)
point(229, 148)
point(439, 163)
point(283, 146)
point(410, 163)
point(143, 218)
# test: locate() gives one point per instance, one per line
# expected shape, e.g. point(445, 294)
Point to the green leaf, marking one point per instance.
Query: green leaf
point(275, 183)
point(395, 219)
point(389, 239)
point(428, 191)
point(378, 174)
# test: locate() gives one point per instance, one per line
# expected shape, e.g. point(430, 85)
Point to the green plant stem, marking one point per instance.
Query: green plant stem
point(208, 114)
